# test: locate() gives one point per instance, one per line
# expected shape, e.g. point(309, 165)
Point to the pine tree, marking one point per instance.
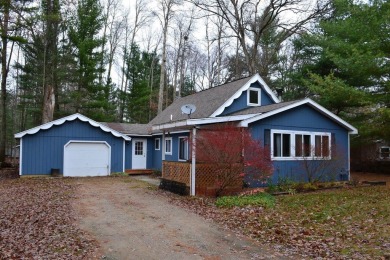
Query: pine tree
point(90, 98)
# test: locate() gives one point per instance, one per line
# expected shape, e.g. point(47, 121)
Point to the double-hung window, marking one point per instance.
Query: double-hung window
point(303, 145)
point(183, 148)
point(281, 145)
point(298, 145)
point(168, 145)
point(322, 146)
point(157, 144)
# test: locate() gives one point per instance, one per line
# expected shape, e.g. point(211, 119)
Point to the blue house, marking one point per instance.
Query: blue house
point(78, 146)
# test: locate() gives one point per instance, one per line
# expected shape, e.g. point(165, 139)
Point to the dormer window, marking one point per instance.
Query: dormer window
point(253, 97)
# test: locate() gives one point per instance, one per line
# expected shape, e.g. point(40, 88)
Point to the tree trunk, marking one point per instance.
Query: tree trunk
point(163, 68)
point(4, 73)
point(50, 62)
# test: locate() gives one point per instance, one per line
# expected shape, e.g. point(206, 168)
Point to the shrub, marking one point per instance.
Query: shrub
point(261, 199)
point(118, 174)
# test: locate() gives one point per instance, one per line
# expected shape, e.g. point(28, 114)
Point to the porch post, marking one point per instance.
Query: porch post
point(193, 162)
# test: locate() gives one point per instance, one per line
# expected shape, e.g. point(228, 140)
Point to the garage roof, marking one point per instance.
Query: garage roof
point(71, 118)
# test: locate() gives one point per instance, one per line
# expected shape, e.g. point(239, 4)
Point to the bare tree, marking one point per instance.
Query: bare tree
point(10, 22)
point(184, 26)
point(167, 12)
point(4, 72)
point(249, 20)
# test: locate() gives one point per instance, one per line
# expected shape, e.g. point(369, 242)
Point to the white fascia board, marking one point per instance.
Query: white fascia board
point(202, 121)
point(318, 107)
point(169, 125)
point(71, 118)
point(246, 86)
point(172, 132)
point(138, 135)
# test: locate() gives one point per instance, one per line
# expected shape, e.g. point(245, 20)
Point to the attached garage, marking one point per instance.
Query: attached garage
point(74, 146)
point(86, 159)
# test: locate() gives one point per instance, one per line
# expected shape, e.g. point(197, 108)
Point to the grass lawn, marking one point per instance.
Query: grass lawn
point(353, 223)
point(344, 223)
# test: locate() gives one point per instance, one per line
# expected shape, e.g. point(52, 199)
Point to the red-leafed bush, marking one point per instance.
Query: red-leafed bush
point(234, 154)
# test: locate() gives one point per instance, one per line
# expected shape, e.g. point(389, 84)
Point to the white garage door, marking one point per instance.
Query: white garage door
point(86, 159)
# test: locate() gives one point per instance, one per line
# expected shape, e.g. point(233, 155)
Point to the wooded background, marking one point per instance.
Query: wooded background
point(115, 61)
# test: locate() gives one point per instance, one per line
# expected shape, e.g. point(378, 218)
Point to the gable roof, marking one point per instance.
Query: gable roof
point(293, 104)
point(210, 102)
point(246, 86)
point(130, 129)
point(72, 118)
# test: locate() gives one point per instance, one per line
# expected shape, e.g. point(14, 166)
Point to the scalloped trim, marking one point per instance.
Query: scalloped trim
point(72, 118)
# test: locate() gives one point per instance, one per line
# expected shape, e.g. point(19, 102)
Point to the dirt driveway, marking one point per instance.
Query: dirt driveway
point(131, 222)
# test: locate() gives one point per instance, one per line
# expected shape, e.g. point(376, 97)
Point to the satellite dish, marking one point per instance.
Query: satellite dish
point(188, 109)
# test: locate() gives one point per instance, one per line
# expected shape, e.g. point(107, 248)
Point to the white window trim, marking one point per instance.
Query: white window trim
point(380, 151)
point(159, 144)
point(178, 149)
point(258, 97)
point(168, 138)
point(292, 156)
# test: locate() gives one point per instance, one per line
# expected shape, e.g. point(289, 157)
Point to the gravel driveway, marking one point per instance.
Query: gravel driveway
point(131, 222)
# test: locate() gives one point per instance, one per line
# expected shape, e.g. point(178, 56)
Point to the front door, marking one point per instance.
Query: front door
point(139, 154)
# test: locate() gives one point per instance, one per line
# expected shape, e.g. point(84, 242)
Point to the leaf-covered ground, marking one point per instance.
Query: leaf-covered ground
point(347, 223)
point(38, 222)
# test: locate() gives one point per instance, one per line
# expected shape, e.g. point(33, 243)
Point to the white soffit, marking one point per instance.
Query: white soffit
point(71, 118)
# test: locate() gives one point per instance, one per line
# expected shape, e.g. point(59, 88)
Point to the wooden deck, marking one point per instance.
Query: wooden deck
point(139, 171)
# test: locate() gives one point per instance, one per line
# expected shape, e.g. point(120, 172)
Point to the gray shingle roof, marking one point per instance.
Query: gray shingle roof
point(262, 109)
point(125, 128)
point(206, 102)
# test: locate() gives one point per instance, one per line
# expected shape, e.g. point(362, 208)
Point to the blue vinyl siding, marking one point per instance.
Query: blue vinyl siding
point(303, 118)
point(242, 102)
point(157, 157)
point(156, 154)
point(45, 149)
point(129, 154)
point(150, 153)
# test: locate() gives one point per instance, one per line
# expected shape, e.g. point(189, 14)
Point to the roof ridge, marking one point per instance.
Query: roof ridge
point(203, 90)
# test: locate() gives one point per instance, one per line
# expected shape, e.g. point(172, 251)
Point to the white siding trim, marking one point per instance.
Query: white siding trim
point(20, 156)
point(72, 118)
point(349, 157)
point(81, 141)
point(124, 154)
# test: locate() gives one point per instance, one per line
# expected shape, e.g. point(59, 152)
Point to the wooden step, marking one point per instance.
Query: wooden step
point(139, 171)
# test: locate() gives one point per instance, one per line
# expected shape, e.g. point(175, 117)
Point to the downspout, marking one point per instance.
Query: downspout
point(193, 162)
